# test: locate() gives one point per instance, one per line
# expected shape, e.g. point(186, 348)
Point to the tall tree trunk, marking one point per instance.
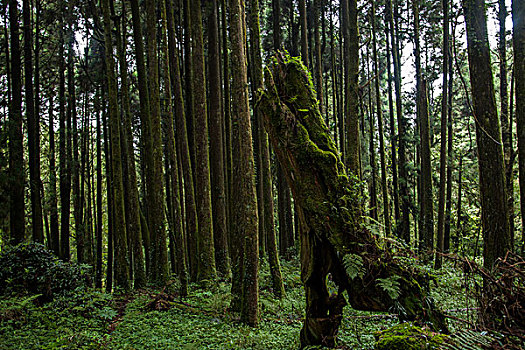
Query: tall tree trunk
point(351, 67)
point(218, 190)
point(146, 138)
point(304, 31)
point(244, 208)
point(384, 185)
point(494, 215)
point(182, 138)
point(440, 244)
point(403, 227)
point(518, 39)
point(52, 201)
point(393, 138)
point(130, 181)
point(265, 177)
point(33, 139)
point(16, 150)
point(318, 55)
point(121, 267)
point(450, 155)
point(205, 249)
point(98, 228)
point(65, 144)
point(159, 249)
point(426, 228)
point(176, 220)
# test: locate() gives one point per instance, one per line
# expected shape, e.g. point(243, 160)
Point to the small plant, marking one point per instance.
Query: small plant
point(390, 285)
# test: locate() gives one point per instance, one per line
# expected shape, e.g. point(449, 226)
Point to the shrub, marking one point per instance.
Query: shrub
point(29, 268)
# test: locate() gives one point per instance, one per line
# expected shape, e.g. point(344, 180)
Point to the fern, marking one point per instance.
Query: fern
point(354, 266)
point(390, 285)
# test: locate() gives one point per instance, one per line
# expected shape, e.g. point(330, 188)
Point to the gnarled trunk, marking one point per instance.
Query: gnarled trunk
point(333, 239)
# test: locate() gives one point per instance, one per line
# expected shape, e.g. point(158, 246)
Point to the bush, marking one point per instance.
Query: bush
point(29, 268)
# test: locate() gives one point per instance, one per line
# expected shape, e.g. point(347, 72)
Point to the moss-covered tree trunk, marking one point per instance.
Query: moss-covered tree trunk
point(206, 269)
point(120, 240)
point(244, 204)
point(333, 241)
point(266, 220)
point(130, 180)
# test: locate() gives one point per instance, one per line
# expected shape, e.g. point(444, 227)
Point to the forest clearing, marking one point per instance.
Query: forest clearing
point(262, 174)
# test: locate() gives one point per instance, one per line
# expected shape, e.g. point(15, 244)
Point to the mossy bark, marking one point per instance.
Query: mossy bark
point(328, 202)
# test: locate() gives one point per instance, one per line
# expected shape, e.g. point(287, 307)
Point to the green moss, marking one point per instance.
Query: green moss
point(406, 336)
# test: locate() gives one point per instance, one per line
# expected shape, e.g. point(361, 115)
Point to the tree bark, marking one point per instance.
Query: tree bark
point(33, 139)
point(265, 174)
point(16, 150)
point(382, 157)
point(244, 210)
point(494, 216)
point(205, 250)
point(218, 190)
point(120, 240)
point(130, 182)
point(518, 19)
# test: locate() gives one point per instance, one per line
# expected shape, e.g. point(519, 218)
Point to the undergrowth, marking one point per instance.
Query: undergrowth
point(94, 320)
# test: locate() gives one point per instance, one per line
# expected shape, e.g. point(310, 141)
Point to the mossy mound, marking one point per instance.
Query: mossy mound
point(406, 336)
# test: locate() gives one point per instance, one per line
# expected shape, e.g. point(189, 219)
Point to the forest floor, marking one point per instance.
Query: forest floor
point(94, 320)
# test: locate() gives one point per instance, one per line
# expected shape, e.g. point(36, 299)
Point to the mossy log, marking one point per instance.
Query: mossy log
point(332, 232)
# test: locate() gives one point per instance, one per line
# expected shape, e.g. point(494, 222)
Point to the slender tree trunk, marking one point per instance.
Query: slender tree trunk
point(494, 215)
point(318, 56)
point(265, 176)
point(159, 251)
point(176, 220)
point(440, 244)
point(518, 39)
point(16, 150)
point(384, 186)
point(182, 137)
point(119, 237)
point(450, 155)
point(393, 138)
point(351, 66)
point(205, 249)
point(218, 190)
point(33, 139)
point(98, 228)
point(403, 227)
point(130, 181)
point(426, 228)
point(243, 199)
point(65, 178)
point(304, 31)
point(52, 201)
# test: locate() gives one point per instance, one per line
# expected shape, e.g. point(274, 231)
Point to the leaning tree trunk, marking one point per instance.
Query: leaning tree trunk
point(333, 240)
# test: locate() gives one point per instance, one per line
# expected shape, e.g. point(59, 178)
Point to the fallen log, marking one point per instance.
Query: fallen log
point(334, 242)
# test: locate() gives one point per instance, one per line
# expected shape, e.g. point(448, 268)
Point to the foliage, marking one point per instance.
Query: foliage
point(29, 268)
point(390, 285)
